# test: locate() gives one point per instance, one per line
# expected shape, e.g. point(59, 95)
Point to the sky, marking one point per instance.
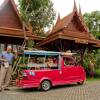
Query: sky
point(65, 7)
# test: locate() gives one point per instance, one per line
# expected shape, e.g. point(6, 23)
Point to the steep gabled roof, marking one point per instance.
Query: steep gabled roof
point(62, 23)
point(13, 5)
point(9, 15)
point(71, 27)
point(68, 19)
point(10, 23)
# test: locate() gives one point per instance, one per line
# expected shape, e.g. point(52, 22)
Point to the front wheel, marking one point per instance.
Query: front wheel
point(45, 85)
point(80, 83)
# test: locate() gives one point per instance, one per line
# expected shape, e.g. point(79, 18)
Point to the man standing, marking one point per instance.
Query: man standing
point(6, 68)
point(92, 69)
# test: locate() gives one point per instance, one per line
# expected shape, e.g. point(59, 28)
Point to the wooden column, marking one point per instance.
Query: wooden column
point(82, 51)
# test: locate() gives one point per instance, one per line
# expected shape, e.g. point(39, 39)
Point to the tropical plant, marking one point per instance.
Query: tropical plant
point(39, 13)
point(92, 20)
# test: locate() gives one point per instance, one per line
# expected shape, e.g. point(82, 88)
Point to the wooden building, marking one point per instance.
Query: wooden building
point(70, 33)
point(11, 27)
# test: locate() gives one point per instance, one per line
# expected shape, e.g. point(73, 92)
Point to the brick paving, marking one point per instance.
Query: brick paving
point(89, 91)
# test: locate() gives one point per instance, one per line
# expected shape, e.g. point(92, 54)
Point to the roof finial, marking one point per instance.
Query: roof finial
point(75, 7)
point(80, 12)
point(58, 19)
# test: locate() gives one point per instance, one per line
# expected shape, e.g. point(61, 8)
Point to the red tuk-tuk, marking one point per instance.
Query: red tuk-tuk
point(43, 69)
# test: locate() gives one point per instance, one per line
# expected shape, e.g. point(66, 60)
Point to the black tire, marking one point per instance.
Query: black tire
point(45, 85)
point(80, 83)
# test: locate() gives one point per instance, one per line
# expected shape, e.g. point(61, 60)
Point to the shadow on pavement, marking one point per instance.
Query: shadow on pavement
point(29, 90)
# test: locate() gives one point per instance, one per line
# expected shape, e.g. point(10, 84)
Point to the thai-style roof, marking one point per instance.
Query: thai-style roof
point(71, 27)
point(64, 22)
point(11, 32)
point(69, 36)
point(11, 24)
point(9, 15)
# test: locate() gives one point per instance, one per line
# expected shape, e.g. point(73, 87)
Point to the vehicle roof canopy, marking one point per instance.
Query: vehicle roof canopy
point(46, 53)
point(41, 53)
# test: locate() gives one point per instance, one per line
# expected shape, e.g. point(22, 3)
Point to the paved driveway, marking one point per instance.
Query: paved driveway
point(89, 91)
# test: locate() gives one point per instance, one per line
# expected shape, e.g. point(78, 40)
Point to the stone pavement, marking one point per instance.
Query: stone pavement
point(89, 91)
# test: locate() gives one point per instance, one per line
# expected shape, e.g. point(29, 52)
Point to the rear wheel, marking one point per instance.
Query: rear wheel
point(45, 85)
point(80, 83)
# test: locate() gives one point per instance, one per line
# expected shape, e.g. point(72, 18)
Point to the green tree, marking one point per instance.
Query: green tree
point(39, 13)
point(92, 20)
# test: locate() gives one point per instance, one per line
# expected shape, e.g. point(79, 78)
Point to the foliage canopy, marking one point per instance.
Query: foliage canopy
point(92, 20)
point(39, 13)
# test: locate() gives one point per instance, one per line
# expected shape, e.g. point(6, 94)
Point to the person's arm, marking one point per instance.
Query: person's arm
point(48, 65)
point(1, 57)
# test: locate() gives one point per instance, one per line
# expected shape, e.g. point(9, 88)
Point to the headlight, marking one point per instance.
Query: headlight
point(32, 73)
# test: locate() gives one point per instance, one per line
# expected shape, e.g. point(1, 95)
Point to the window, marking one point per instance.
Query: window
point(52, 62)
point(36, 62)
point(39, 62)
point(14, 47)
point(69, 60)
point(2, 47)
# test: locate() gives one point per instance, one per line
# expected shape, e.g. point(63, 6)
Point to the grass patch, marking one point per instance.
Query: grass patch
point(93, 79)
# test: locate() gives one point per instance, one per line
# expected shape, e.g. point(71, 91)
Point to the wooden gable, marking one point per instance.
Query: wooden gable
point(9, 16)
point(76, 24)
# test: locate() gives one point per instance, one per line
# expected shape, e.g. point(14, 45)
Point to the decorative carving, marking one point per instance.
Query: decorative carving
point(83, 41)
